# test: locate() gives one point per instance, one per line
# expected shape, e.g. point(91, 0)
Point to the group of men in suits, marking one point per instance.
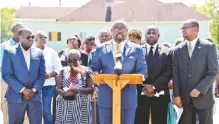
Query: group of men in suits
point(192, 65)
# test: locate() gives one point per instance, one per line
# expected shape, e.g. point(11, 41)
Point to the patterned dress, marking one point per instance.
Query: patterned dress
point(75, 111)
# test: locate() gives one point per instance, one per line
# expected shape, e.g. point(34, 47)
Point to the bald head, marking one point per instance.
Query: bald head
point(119, 31)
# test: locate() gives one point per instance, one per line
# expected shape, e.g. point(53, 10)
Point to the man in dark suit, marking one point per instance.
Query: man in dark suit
point(23, 69)
point(195, 69)
point(158, 60)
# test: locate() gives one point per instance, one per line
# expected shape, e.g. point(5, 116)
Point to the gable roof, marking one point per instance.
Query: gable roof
point(31, 12)
point(134, 10)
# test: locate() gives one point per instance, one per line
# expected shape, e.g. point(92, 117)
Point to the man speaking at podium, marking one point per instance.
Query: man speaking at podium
point(131, 61)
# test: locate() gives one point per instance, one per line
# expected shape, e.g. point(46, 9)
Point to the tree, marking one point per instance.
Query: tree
point(211, 10)
point(7, 20)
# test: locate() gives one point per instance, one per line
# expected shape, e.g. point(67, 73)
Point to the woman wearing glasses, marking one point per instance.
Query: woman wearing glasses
point(73, 102)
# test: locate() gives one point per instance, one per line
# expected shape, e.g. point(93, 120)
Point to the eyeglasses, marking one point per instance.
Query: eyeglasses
point(72, 60)
point(42, 37)
point(91, 43)
point(28, 37)
point(120, 28)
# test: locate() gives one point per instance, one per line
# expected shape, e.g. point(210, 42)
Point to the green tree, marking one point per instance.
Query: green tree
point(211, 10)
point(7, 19)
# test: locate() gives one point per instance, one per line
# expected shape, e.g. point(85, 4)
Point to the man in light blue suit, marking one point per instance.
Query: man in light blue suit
point(23, 69)
point(133, 62)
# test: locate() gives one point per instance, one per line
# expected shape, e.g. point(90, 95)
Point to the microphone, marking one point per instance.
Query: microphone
point(118, 64)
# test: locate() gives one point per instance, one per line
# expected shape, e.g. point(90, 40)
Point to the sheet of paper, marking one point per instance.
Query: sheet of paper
point(179, 112)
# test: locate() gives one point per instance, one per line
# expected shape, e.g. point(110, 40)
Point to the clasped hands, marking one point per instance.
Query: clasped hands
point(71, 92)
point(28, 94)
point(148, 90)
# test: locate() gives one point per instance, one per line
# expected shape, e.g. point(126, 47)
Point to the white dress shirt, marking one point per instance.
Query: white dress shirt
point(193, 43)
point(149, 47)
point(26, 54)
point(52, 63)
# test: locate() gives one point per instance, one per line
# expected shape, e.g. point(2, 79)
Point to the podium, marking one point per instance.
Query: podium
point(117, 83)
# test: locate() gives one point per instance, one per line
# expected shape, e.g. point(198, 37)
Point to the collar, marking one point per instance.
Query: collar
point(193, 42)
point(13, 41)
point(149, 46)
point(23, 49)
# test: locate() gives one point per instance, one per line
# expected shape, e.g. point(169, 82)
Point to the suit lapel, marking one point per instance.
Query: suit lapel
point(127, 49)
point(21, 56)
point(109, 51)
point(196, 50)
point(31, 58)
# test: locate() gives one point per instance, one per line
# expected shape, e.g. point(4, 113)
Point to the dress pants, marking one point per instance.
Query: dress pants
point(205, 116)
point(47, 94)
point(158, 107)
point(16, 112)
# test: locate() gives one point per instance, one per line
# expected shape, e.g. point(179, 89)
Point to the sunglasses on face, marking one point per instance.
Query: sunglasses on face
point(42, 37)
point(29, 37)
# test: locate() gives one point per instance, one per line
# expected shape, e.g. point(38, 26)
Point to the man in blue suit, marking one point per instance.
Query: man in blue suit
point(23, 69)
point(133, 62)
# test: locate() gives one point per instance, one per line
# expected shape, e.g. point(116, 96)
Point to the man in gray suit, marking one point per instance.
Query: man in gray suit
point(195, 69)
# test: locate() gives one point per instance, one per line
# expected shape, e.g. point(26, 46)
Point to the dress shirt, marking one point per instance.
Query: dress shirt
point(193, 43)
point(26, 54)
point(149, 47)
point(52, 63)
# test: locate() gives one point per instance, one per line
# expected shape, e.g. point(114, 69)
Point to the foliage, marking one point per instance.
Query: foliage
point(6, 20)
point(211, 10)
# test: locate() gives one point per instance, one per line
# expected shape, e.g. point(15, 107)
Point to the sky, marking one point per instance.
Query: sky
point(73, 3)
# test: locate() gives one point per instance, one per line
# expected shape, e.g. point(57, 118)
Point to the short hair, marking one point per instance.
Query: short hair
point(152, 27)
point(135, 33)
point(73, 51)
point(210, 40)
point(16, 25)
point(90, 38)
point(105, 30)
point(194, 22)
point(167, 44)
point(38, 33)
point(178, 41)
point(21, 31)
point(78, 40)
point(120, 22)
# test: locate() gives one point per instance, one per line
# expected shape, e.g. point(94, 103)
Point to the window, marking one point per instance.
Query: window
point(55, 36)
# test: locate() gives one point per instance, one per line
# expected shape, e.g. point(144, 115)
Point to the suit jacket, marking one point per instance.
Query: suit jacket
point(133, 63)
point(197, 72)
point(159, 68)
point(16, 74)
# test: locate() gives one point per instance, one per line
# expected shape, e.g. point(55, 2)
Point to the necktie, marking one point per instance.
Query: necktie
point(118, 48)
point(190, 49)
point(151, 51)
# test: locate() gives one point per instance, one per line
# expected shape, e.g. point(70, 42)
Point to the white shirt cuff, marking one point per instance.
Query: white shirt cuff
point(22, 89)
point(34, 90)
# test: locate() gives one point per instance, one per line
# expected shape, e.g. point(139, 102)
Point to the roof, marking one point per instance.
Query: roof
point(134, 10)
point(31, 12)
